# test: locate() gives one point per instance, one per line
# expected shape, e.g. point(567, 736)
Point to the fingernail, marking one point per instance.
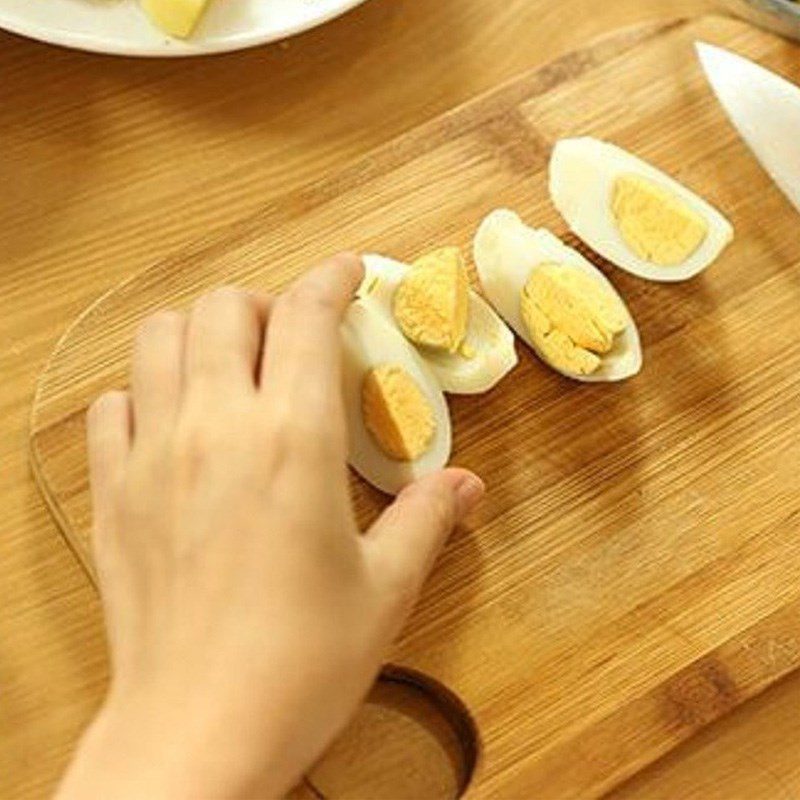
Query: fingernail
point(469, 491)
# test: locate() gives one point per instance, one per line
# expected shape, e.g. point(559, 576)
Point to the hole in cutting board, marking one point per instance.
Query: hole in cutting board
point(413, 739)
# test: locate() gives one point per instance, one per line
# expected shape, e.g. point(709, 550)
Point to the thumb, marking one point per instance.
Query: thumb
point(407, 537)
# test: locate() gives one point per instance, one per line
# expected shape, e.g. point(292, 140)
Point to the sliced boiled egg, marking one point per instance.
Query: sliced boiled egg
point(559, 303)
point(463, 341)
point(398, 420)
point(633, 214)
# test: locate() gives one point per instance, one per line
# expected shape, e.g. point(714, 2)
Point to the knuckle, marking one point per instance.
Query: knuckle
point(191, 441)
point(270, 446)
point(188, 456)
point(203, 430)
point(281, 415)
point(297, 435)
point(303, 430)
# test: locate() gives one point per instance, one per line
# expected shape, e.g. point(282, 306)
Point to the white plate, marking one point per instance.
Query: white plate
point(120, 27)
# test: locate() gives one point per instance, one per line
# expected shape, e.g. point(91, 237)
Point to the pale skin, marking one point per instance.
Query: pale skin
point(247, 615)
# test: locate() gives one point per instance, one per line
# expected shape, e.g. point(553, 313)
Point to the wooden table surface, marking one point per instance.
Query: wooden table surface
point(108, 165)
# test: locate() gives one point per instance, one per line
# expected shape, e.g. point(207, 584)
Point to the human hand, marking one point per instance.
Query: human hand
point(246, 614)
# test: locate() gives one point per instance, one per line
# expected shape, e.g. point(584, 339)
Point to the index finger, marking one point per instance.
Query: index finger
point(303, 349)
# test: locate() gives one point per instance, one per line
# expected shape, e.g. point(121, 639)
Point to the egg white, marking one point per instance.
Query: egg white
point(492, 344)
point(582, 175)
point(369, 341)
point(507, 252)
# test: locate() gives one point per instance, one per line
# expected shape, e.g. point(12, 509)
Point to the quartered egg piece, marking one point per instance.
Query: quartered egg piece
point(559, 304)
point(397, 417)
point(431, 301)
point(466, 345)
point(633, 214)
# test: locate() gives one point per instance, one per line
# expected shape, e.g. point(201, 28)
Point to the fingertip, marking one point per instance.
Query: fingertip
point(348, 258)
point(458, 489)
point(351, 264)
point(330, 285)
point(409, 535)
point(466, 487)
point(108, 407)
point(109, 429)
point(469, 491)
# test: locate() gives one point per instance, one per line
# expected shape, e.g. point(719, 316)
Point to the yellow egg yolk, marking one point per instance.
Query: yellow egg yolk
point(654, 222)
point(571, 317)
point(175, 17)
point(466, 351)
point(397, 413)
point(430, 304)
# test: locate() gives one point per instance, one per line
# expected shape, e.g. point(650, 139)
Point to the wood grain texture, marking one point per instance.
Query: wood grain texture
point(634, 569)
point(89, 171)
point(765, 762)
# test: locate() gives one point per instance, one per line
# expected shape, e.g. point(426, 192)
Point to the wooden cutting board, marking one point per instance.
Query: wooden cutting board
point(633, 573)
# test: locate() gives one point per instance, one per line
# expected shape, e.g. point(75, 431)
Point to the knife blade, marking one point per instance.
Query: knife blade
point(764, 108)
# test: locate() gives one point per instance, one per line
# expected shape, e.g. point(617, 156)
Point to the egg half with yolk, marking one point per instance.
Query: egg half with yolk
point(463, 341)
point(559, 303)
point(633, 214)
point(397, 417)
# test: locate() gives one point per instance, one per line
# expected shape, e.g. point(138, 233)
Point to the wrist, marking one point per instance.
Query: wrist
point(135, 748)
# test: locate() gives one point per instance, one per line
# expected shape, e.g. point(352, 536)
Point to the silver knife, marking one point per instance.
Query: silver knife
point(764, 108)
